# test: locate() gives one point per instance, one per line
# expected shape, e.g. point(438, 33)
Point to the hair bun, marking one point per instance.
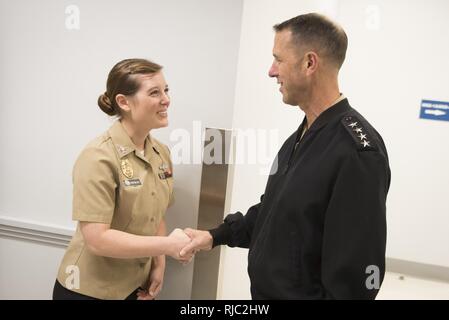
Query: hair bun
point(105, 104)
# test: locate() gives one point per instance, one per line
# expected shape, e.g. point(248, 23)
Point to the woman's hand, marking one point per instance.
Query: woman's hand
point(155, 279)
point(178, 241)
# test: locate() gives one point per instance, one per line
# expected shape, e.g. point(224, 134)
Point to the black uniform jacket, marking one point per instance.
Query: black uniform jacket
point(319, 231)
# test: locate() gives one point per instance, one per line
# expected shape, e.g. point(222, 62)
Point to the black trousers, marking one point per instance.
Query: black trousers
point(62, 293)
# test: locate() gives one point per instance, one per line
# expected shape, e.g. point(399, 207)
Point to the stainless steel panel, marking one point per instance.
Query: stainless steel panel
point(214, 180)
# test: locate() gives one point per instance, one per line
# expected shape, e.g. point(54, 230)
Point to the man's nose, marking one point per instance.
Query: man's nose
point(273, 72)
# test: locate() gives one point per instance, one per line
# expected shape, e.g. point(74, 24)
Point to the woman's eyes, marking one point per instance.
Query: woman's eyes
point(157, 92)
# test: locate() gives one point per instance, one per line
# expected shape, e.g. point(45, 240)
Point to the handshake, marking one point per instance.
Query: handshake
point(185, 243)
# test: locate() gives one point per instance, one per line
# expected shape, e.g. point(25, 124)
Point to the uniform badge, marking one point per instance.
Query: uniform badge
point(126, 168)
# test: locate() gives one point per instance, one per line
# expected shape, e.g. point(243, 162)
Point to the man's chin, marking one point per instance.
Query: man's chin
point(290, 103)
point(284, 99)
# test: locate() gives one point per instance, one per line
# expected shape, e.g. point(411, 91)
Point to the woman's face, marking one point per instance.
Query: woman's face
point(149, 105)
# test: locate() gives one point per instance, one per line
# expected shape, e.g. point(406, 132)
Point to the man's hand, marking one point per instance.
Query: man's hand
point(200, 240)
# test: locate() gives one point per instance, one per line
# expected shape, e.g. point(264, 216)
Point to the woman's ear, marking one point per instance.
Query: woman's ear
point(123, 102)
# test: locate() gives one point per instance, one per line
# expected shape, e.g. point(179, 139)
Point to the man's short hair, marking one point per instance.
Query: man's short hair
point(319, 33)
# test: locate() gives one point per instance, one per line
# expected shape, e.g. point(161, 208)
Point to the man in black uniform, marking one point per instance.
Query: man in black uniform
point(319, 231)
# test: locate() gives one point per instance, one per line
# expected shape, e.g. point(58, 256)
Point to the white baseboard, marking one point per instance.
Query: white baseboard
point(417, 269)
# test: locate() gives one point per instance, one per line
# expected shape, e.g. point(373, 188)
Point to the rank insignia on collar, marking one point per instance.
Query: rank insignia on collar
point(127, 170)
point(121, 149)
point(359, 134)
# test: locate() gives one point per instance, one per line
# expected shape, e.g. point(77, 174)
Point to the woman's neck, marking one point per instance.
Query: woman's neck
point(136, 134)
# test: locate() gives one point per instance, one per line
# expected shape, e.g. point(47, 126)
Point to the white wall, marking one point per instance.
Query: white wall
point(28, 269)
point(387, 72)
point(52, 76)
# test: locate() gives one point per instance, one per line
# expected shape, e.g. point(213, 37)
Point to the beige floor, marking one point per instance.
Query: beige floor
point(403, 287)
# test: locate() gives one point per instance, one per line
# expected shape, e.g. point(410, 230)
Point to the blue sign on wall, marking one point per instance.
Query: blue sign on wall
point(434, 110)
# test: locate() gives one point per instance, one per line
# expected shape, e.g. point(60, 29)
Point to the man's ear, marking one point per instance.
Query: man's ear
point(311, 60)
point(122, 102)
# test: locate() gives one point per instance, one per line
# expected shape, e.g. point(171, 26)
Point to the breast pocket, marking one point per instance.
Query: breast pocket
point(126, 198)
point(145, 217)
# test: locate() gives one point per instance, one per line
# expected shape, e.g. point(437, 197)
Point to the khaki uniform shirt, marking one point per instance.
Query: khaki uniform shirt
point(114, 183)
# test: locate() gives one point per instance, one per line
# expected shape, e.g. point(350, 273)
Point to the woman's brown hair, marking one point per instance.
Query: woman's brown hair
point(122, 80)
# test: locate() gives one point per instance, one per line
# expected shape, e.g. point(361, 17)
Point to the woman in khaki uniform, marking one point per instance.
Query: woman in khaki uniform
point(122, 186)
